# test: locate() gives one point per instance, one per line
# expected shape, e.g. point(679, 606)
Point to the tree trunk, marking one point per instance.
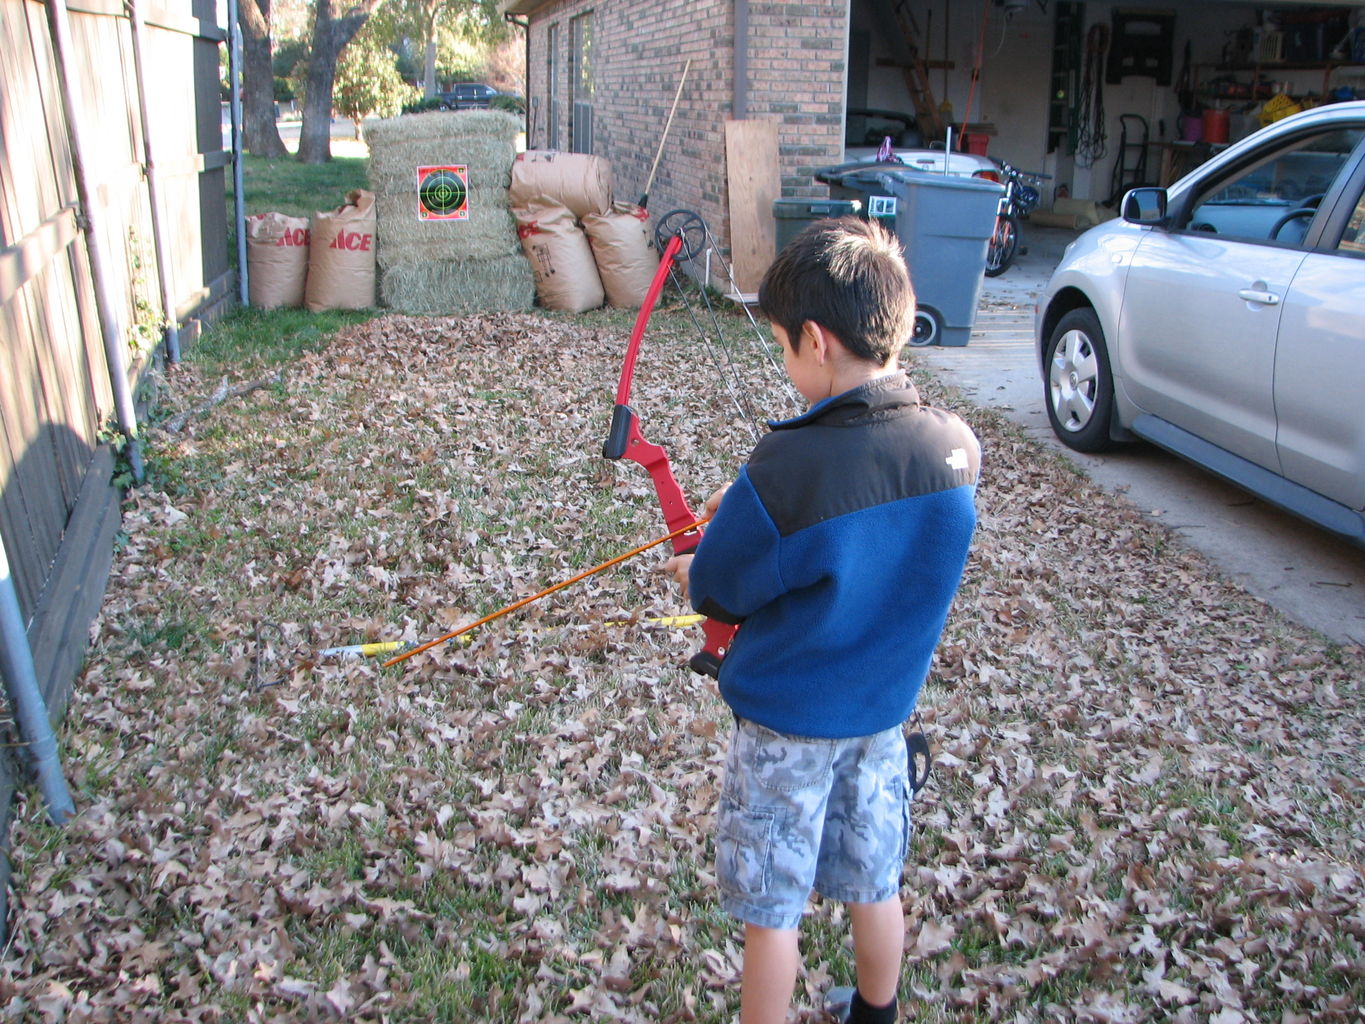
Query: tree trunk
point(429, 70)
point(260, 136)
point(331, 33)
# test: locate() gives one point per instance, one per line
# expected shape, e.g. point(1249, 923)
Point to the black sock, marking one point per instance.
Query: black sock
point(863, 1012)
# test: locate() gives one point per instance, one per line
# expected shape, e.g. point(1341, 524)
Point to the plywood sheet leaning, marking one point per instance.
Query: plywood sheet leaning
point(754, 183)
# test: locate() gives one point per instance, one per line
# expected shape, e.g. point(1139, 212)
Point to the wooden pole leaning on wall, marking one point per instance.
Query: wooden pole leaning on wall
point(649, 182)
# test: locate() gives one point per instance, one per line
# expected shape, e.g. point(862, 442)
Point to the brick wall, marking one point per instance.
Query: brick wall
point(796, 72)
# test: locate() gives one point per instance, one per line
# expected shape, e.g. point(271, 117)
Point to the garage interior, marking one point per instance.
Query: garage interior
point(1099, 96)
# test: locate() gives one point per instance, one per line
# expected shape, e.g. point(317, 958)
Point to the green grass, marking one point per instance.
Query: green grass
point(268, 337)
point(284, 185)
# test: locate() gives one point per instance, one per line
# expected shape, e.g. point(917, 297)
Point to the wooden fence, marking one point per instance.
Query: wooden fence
point(83, 287)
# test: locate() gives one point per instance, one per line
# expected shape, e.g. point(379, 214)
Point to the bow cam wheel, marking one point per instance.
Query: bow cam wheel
point(686, 225)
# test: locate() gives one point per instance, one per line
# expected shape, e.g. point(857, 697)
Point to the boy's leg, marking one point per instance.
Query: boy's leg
point(878, 941)
point(771, 960)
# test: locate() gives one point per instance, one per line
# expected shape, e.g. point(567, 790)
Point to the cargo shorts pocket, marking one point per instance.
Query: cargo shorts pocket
point(744, 855)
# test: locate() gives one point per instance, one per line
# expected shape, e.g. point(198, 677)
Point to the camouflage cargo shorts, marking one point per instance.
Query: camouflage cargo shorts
point(798, 813)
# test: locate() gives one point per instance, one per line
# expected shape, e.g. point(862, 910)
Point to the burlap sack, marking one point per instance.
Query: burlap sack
point(341, 256)
point(620, 248)
point(577, 180)
point(560, 257)
point(276, 259)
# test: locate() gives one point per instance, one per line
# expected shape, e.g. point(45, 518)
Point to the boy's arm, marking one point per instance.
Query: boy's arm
point(679, 565)
point(735, 570)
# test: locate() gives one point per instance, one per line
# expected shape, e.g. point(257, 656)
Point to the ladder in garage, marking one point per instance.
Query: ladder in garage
point(927, 116)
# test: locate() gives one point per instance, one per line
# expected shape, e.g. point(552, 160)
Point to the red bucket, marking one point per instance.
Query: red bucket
point(1215, 125)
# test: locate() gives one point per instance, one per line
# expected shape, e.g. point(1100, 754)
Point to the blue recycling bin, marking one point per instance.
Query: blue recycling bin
point(944, 222)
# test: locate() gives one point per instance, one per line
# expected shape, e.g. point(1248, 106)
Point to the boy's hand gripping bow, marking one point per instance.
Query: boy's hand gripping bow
point(685, 234)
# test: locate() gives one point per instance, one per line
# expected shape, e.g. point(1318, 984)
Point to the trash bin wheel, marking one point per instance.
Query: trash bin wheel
point(926, 328)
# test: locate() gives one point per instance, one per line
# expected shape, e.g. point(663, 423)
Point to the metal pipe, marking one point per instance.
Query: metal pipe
point(89, 218)
point(21, 683)
point(741, 99)
point(238, 199)
point(153, 186)
point(525, 27)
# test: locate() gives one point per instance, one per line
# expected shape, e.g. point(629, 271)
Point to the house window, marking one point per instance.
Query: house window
point(553, 85)
point(580, 76)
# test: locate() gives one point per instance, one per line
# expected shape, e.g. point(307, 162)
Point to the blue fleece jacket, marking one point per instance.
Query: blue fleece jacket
point(839, 549)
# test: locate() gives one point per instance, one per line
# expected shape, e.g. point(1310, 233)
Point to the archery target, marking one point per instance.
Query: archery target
point(443, 192)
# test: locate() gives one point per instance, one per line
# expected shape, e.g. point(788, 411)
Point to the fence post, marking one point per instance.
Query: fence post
point(89, 218)
point(21, 683)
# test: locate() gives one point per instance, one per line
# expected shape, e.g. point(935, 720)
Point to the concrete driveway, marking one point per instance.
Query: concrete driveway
point(1309, 575)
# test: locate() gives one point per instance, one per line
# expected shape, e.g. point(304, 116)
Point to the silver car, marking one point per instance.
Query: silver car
point(1223, 319)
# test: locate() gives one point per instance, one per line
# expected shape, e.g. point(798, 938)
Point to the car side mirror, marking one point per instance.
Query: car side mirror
point(1145, 206)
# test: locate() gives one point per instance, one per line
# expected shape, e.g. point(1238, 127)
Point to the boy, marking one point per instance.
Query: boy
point(839, 548)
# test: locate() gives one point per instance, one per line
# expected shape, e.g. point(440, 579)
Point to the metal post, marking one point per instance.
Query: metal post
point(89, 218)
point(741, 82)
point(153, 187)
point(238, 199)
point(21, 683)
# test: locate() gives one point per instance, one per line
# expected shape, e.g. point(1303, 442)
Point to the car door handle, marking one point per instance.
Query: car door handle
point(1264, 298)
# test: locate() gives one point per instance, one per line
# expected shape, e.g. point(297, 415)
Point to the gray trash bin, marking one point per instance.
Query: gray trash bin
point(792, 215)
point(945, 223)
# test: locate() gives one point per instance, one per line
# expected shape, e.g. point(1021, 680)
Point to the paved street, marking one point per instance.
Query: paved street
point(1307, 574)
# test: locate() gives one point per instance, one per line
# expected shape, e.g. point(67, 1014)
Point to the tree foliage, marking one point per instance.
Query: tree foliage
point(446, 40)
point(368, 82)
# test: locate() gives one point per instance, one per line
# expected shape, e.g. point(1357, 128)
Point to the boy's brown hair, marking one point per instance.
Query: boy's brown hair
point(848, 275)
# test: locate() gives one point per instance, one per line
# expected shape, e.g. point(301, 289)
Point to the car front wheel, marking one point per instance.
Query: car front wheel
point(1080, 385)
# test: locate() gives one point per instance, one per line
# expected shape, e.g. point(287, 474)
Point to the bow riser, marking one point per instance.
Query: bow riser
point(625, 440)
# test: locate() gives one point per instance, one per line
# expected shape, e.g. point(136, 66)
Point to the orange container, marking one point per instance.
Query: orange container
point(977, 144)
point(1215, 125)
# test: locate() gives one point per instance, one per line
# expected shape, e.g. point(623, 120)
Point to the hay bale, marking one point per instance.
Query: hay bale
point(484, 141)
point(445, 263)
point(459, 286)
point(489, 233)
point(488, 162)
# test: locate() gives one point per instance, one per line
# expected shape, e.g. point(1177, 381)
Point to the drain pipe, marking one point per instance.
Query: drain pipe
point(525, 27)
point(163, 259)
point(238, 199)
point(741, 84)
point(21, 683)
point(88, 217)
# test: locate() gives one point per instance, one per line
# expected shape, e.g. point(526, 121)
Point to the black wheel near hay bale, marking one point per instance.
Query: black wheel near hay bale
point(447, 239)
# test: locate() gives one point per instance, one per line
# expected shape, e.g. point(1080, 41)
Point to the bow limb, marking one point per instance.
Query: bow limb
point(626, 440)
